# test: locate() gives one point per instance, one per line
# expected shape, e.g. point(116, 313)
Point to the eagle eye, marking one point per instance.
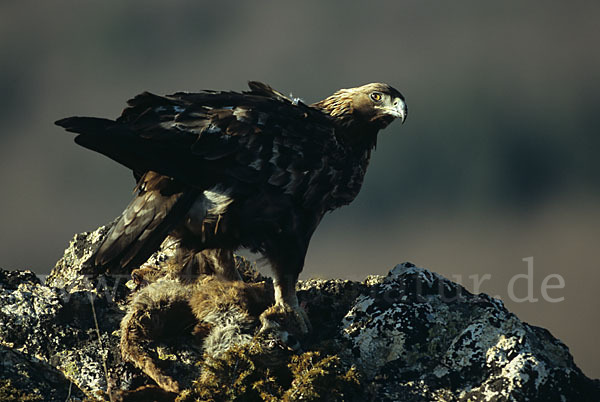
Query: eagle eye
point(376, 96)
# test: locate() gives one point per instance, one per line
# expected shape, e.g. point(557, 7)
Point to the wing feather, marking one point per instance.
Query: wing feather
point(147, 220)
point(209, 138)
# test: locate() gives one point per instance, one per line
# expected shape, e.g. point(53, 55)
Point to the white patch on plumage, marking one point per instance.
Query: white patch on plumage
point(211, 129)
point(178, 109)
point(209, 205)
point(219, 200)
point(241, 114)
point(295, 100)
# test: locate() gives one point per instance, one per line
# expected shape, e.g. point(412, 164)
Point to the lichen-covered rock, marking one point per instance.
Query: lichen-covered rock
point(419, 336)
point(56, 330)
point(74, 270)
point(409, 336)
point(31, 380)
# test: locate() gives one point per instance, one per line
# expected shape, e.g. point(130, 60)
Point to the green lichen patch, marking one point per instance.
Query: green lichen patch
point(249, 373)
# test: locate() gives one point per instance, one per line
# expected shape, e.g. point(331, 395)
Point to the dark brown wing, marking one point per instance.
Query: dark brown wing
point(248, 143)
point(238, 141)
point(159, 206)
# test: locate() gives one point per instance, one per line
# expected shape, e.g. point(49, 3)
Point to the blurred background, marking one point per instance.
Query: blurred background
point(498, 160)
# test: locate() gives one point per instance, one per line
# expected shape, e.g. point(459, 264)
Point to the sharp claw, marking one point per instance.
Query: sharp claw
point(285, 321)
point(302, 318)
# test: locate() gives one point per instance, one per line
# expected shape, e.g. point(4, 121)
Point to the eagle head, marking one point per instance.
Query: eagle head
point(376, 104)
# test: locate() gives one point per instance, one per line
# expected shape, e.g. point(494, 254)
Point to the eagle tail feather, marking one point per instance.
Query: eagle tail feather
point(108, 138)
point(124, 145)
point(84, 125)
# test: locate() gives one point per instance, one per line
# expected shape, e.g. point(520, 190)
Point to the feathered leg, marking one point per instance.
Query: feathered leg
point(286, 256)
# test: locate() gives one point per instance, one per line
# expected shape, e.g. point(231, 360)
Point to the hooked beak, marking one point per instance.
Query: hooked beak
point(397, 110)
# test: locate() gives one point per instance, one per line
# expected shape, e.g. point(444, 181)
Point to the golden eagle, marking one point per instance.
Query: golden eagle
point(222, 170)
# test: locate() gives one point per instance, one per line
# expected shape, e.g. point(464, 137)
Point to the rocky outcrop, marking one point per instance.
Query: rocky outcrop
point(412, 335)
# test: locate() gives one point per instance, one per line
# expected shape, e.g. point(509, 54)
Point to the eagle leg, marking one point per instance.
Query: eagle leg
point(286, 319)
point(286, 256)
point(286, 298)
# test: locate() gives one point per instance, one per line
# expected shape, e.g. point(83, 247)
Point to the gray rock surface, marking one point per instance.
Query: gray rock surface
point(413, 335)
point(419, 336)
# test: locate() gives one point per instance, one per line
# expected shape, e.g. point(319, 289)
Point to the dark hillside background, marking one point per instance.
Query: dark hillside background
point(498, 160)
